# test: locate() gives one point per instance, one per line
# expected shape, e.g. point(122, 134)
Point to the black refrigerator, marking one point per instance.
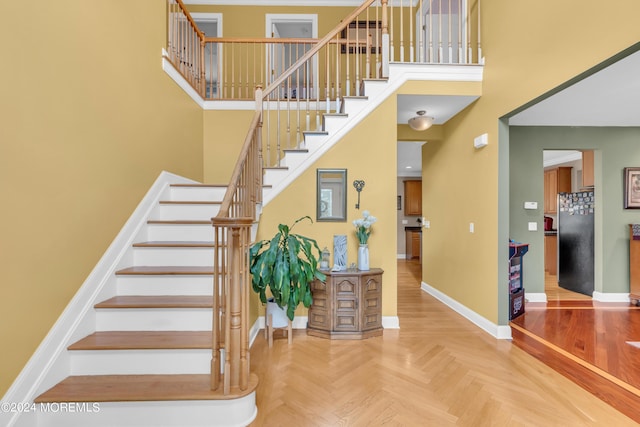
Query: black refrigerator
point(575, 241)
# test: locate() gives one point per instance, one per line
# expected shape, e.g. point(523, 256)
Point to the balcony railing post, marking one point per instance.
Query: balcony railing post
point(385, 40)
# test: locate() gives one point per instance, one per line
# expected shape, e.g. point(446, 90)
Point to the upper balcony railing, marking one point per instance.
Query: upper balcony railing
point(421, 31)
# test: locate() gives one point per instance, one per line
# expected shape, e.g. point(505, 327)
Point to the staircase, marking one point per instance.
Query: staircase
point(148, 361)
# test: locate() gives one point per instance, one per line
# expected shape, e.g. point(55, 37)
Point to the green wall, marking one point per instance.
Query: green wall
point(616, 148)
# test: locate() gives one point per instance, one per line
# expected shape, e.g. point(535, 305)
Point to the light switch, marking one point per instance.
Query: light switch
point(533, 226)
point(426, 224)
point(472, 227)
point(531, 205)
point(405, 222)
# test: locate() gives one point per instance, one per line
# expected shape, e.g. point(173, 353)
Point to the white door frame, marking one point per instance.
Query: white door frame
point(217, 18)
point(274, 18)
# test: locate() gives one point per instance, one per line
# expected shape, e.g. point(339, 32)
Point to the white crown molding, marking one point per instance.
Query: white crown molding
point(497, 331)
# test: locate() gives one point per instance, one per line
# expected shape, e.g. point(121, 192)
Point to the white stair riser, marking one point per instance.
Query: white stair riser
point(140, 362)
point(173, 256)
point(179, 232)
point(274, 176)
point(334, 123)
point(200, 194)
point(374, 87)
point(153, 319)
point(165, 285)
point(313, 141)
point(185, 212)
point(353, 106)
point(184, 413)
point(293, 160)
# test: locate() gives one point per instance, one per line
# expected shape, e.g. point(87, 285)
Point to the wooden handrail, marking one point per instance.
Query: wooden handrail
point(190, 19)
point(259, 40)
point(237, 171)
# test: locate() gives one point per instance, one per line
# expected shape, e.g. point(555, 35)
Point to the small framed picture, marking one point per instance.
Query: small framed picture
point(632, 188)
point(399, 202)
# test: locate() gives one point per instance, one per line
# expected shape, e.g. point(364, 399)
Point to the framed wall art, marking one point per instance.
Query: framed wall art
point(632, 188)
point(357, 33)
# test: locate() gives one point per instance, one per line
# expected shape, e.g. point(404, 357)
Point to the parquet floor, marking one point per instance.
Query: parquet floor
point(437, 370)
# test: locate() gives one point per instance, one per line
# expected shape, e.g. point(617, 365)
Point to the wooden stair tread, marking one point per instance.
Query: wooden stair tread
point(157, 301)
point(180, 222)
point(174, 244)
point(296, 150)
point(144, 340)
point(316, 132)
point(161, 270)
point(123, 388)
point(190, 202)
point(200, 185)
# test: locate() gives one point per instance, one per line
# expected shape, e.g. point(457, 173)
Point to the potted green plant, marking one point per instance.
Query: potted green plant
point(285, 265)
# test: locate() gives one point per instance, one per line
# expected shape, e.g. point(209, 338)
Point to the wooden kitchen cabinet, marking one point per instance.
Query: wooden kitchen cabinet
point(587, 169)
point(413, 243)
point(557, 180)
point(348, 305)
point(551, 254)
point(413, 197)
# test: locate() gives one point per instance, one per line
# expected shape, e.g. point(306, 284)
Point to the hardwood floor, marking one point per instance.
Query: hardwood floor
point(437, 370)
point(594, 344)
point(555, 292)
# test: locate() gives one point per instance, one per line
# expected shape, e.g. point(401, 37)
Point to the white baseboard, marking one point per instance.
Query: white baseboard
point(49, 363)
point(497, 331)
point(611, 297)
point(390, 322)
point(402, 256)
point(535, 296)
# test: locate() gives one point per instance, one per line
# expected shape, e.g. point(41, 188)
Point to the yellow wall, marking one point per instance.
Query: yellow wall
point(368, 153)
point(88, 120)
point(530, 48)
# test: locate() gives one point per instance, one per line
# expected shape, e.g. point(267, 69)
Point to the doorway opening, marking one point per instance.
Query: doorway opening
point(211, 25)
point(568, 225)
point(303, 83)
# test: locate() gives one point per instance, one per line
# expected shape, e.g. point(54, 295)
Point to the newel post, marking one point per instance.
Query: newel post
point(231, 304)
point(385, 39)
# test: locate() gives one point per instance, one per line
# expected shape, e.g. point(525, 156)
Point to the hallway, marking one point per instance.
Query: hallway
point(438, 369)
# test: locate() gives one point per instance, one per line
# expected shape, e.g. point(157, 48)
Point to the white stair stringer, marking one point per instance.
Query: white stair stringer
point(170, 229)
point(357, 109)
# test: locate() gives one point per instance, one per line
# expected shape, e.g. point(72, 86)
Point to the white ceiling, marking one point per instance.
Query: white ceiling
point(610, 97)
point(440, 107)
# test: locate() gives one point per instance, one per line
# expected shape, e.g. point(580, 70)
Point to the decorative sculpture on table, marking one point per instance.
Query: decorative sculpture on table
point(339, 252)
